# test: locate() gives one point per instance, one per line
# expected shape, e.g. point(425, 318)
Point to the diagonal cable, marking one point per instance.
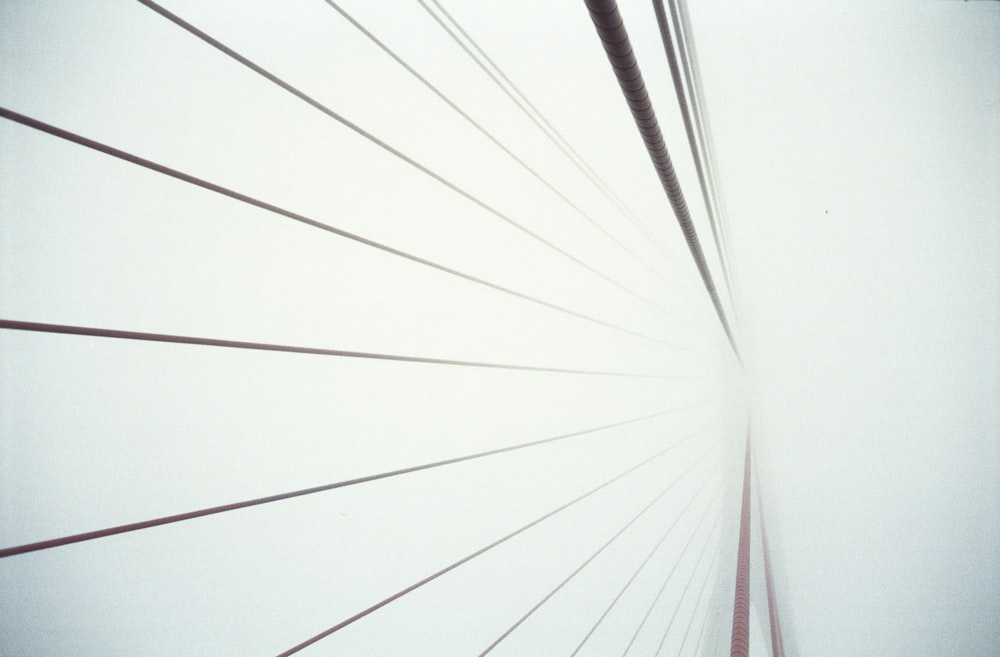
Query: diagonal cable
point(645, 562)
point(687, 585)
point(271, 77)
point(234, 506)
point(288, 214)
point(596, 554)
point(697, 600)
point(499, 144)
point(503, 539)
point(673, 569)
point(142, 336)
point(511, 90)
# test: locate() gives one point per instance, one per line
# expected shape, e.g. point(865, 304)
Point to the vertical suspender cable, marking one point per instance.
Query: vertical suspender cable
point(740, 645)
point(611, 30)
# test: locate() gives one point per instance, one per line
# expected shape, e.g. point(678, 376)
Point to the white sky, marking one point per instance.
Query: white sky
point(858, 152)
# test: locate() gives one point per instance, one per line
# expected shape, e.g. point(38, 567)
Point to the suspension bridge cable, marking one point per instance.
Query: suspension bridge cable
point(645, 562)
point(42, 327)
point(234, 506)
point(597, 553)
point(512, 91)
point(740, 643)
point(288, 214)
point(697, 600)
point(503, 539)
point(777, 642)
point(673, 569)
point(701, 633)
point(701, 120)
point(692, 75)
point(675, 75)
point(271, 77)
point(499, 144)
point(611, 30)
point(687, 585)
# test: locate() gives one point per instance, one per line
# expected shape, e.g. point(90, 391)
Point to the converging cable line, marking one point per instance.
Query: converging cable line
point(611, 30)
point(689, 57)
point(271, 77)
point(522, 102)
point(673, 569)
point(288, 214)
point(597, 553)
point(687, 585)
point(740, 640)
point(42, 327)
point(649, 557)
point(503, 539)
point(774, 618)
point(499, 144)
point(689, 128)
point(704, 624)
point(234, 506)
point(697, 602)
point(692, 74)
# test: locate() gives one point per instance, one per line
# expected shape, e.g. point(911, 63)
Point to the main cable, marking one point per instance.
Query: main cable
point(271, 77)
point(503, 539)
point(596, 553)
point(314, 223)
point(614, 38)
point(234, 506)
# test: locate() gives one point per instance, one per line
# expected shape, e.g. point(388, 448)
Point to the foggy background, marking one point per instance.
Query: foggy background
point(858, 153)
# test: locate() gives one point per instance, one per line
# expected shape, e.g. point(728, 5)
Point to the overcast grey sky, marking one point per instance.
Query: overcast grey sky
point(858, 152)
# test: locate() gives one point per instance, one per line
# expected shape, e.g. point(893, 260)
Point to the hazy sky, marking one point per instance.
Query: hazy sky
point(858, 155)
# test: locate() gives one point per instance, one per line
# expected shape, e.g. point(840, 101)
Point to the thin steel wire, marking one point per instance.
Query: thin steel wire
point(485, 62)
point(702, 123)
point(294, 216)
point(503, 539)
point(499, 144)
point(645, 562)
point(697, 601)
point(234, 506)
point(774, 618)
point(673, 569)
point(271, 77)
point(687, 586)
point(117, 334)
point(596, 554)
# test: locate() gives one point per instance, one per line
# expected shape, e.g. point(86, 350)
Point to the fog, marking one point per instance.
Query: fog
point(857, 151)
